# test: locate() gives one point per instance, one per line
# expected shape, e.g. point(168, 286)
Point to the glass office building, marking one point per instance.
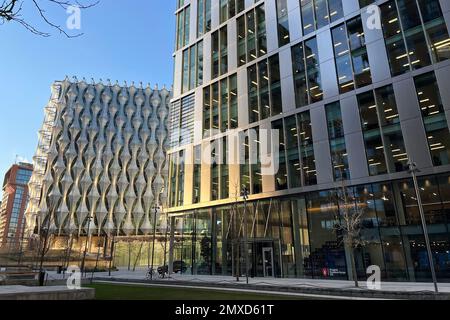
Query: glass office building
point(354, 89)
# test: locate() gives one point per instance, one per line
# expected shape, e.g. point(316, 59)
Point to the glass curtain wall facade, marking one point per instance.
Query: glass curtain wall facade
point(345, 104)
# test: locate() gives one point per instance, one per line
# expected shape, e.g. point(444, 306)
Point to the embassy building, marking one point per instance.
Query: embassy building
point(355, 89)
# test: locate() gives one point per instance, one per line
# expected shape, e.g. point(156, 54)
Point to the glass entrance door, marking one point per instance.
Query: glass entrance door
point(268, 262)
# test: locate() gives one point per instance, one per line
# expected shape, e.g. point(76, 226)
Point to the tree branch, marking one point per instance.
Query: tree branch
point(11, 10)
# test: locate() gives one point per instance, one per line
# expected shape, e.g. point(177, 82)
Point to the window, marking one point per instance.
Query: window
point(23, 176)
point(203, 17)
point(229, 8)
point(182, 122)
point(434, 119)
point(250, 168)
point(307, 77)
point(352, 61)
point(339, 156)
point(296, 159)
point(283, 22)
point(415, 36)
point(281, 177)
point(219, 52)
point(223, 11)
point(264, 87)
point(292, 152)
point(197, 180)
point(183, 20)
point(215, 175)
point(176, 178)
point(380, 122)
point(192, 76)
point(220, 106)
point(319, 13)
point(251, 33)
point(224, 172)
point(308, 162)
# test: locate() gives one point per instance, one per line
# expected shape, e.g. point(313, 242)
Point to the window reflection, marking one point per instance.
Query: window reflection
point(434, 118)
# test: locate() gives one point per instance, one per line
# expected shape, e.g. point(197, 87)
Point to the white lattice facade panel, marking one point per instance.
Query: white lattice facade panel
point(105, 168)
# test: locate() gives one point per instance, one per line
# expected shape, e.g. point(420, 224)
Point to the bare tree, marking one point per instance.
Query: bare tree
point(348, 223)
point(11, 11)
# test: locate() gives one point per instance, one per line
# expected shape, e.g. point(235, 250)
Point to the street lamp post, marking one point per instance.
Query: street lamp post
point(154, 239)
point(244, 195)
point(83, 261)
point(413, 170)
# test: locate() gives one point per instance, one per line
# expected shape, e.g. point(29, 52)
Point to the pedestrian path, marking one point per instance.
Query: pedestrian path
point(286, 284)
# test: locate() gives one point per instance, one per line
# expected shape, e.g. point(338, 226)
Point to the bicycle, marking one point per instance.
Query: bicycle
point(153, 274)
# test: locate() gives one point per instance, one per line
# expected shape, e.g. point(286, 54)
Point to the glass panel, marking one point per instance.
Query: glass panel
point(343, 64)
point(436, 29)
point(199, 63)
point(275, 85)
point(203, 243)
point(223, 51)
point(233, 102)
point(245, 164)
point(293, 158)
point(223, 11)
point(224, 178)
point(308, 168)
point(187, 22)
point(251, 36)
point(192, 67)
point(207, 15)
point(322, 16)
point(372, 134)
point(200, 18)
point(206, 110)
point(336, 10)
point(264, 100)
point(261, 27)
point(313, 69)
point(283, 22)
point(215, 108)
point(308, 16)
point(215, 170)
point(327, 258)
point(281, 180)
point(224, 105)
point(215, 54)
point(360, 58)
point(185, 77)
point(395, 45)
point(241, 32)
point(338, 149)
point(298, 64)
point(253, 94)
point(434, 118)
point(197, 174)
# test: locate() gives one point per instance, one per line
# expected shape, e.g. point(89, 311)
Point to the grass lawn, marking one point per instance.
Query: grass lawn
point(136, 292)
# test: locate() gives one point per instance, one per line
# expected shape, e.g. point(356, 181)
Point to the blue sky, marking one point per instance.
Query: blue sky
point(128, 40)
